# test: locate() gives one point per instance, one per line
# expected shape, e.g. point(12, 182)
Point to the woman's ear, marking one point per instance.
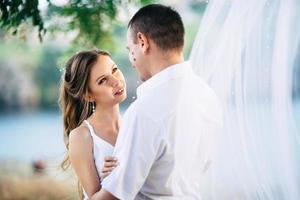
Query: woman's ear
point(88, 98)
point(143, 42)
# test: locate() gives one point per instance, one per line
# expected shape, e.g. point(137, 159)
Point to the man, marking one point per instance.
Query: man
point(166, 141)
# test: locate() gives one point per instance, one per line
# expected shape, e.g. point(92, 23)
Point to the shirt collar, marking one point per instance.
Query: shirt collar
point(171, 72)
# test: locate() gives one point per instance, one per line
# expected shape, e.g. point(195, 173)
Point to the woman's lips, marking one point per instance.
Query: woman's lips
point(119, 92)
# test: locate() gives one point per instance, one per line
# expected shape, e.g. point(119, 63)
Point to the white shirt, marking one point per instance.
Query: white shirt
point(166, 140)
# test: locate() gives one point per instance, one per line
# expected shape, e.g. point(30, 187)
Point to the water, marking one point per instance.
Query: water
point(30, 136)
point(39, 135)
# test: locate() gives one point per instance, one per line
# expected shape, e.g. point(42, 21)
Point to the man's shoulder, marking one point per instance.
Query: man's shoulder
point(136, 110)
point(133, 109)
point(200, 86)
point(145, 110)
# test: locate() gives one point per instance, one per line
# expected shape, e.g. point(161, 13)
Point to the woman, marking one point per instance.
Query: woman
point(91, 91)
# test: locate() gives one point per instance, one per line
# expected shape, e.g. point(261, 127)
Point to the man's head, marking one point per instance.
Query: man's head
point(155, 29)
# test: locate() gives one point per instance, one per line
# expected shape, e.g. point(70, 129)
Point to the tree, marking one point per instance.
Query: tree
point(15, 12)
point(92, 20)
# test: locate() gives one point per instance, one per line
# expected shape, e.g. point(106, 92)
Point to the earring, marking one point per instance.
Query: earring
point(93, 107)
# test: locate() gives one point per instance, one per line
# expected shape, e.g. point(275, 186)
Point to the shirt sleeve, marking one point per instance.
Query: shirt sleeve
point(136, 149)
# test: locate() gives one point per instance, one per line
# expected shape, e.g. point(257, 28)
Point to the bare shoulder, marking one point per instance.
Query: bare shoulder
point(80, 137)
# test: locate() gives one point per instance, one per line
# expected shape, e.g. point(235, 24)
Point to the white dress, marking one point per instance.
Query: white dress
point(101, 148)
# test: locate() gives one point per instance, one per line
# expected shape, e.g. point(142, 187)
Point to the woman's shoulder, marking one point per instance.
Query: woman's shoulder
point(80, 147)
point(80, 135)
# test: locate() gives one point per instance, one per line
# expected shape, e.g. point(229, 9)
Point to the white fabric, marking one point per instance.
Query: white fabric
point(246, 51)
point(166, 141)
point(101, 149)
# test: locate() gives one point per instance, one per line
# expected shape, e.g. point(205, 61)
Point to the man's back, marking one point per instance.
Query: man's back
point(167, 137)
point(188, 116)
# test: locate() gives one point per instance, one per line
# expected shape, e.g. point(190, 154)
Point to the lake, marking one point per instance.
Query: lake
point(39, 135)
point(30, 136)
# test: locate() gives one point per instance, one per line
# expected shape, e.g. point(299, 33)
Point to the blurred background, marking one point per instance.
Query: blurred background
point(36, 39)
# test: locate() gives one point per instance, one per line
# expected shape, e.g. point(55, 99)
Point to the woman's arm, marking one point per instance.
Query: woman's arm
point(82, 160)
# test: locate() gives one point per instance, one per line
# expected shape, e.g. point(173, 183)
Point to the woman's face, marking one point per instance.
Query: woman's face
point(106, 85)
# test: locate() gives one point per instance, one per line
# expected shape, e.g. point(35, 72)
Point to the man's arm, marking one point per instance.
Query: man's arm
point(103, 195)
point(136, 150)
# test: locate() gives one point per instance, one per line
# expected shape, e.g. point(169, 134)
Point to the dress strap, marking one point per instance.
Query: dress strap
point(90, 128)
point(96, 137)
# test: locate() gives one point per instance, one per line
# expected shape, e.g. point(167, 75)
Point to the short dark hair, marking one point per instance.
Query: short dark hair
point(162, 24)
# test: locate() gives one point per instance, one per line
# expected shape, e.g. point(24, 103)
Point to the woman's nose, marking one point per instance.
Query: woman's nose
point(114, 81)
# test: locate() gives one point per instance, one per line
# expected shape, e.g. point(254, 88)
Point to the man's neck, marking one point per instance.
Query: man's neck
point(165, 61)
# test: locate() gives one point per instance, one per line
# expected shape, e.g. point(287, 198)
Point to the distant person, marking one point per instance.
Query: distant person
point(39, 166)
point(91, 90)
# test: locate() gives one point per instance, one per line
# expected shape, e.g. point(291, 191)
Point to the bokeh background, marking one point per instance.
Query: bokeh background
point(36, 39)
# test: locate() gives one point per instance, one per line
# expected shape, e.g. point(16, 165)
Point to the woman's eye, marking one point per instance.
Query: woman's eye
point(114, 70)
point(102, 81)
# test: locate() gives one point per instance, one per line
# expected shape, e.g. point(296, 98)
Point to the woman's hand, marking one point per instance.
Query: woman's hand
point(109, 164)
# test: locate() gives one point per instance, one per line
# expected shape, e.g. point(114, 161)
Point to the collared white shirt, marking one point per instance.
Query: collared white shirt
point(166, 141)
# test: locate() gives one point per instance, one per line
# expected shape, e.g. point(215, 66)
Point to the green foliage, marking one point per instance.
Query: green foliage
point(47, 77)
point(16, 12)
point(198, 6)
point(145, 2)
point(93, 21)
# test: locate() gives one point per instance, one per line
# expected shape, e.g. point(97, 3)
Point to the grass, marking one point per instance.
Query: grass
point(18, 181)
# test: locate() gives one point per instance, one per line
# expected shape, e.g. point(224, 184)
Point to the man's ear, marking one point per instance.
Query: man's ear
point(143, 42)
